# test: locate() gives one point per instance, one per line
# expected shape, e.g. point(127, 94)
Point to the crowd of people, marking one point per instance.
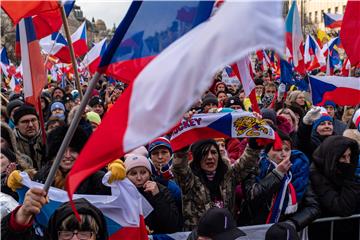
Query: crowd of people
point(313, 171)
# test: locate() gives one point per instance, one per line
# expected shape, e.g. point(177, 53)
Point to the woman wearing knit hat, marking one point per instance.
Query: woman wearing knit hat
point(94, 119)
point(165, 217)
point(314, 128)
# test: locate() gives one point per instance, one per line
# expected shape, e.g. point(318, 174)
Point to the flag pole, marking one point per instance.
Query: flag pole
point(70, 131)
point(4, 98)
point(71, 48)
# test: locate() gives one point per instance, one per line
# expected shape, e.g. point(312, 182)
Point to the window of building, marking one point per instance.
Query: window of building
point(329, 10)
point(322, 15)
point(310, 17)
point(316, 17)
point(336, 9)
point(344, 6)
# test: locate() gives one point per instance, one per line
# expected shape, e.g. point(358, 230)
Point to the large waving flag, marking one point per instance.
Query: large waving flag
point(46, 23)
point(16, 10)
point(237, 124)
point(294, 38)
point(79, 41)
point(349, 34)
point(32, 62)
point(124, 210)
point(4, 61)
point(341, 90)
point(332, 20)
point(145, 36)
point(93, 57)
point(56, 45)
point(156, 99)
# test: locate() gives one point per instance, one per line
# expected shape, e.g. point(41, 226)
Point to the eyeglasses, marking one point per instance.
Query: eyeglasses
point(82, 235)
point(27, 122)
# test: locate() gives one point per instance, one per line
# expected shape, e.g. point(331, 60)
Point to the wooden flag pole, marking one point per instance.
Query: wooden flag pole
point(72, 54)
point(70, 132)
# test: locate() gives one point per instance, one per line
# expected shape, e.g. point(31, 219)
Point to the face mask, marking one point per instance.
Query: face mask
point(345, 169)
point(60, 116)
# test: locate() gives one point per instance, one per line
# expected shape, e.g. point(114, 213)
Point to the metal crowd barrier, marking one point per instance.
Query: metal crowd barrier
point(257, 232)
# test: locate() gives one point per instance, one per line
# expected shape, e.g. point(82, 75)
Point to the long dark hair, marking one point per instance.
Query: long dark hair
point(199, 151)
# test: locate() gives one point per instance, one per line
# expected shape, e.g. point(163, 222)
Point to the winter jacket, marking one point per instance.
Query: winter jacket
point(51, 233)
point(165, 218)
point(335, 186)
point(91, 185)
point(197, 196)
point(307, 140)
point(262, 187)
point(32, 147)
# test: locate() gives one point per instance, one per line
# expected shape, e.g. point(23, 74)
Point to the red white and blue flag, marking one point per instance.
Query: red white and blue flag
point(341, 90)
point(237, 124)
point(57, 46)
point(93, 57)
point(124, 210)
point(34, 77)
point(333, 20)
point(4, 61)
point(313, 56)
point(142, 35)
point(160, 90)
point(79, 40)
point(294, 38)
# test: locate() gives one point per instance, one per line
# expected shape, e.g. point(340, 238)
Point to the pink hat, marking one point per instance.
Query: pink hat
point(133, 161)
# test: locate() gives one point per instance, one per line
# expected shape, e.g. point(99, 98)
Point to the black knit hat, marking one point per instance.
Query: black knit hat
point(9, 154)
point(56, 137)
point(235, 100)
point(96, 100)
point(24, 110)
point(13, 104)
point(282, 230)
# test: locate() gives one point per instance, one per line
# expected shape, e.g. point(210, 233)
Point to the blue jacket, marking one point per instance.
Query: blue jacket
point(357, 171)
point(299, 171)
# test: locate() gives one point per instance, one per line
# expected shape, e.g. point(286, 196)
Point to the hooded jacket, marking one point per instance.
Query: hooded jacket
point(60, 214)
point(335, 186)
point(338, 192)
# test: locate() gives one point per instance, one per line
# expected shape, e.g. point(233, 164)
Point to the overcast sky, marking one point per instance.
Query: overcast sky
point(110, 11)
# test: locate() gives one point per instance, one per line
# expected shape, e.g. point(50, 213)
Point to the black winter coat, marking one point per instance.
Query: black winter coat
point(165, 218)
point(338, 193)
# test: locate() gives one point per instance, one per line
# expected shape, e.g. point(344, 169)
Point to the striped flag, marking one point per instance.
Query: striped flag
point(32, 62)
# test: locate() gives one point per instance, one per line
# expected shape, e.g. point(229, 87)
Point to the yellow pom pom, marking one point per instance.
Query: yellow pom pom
point(14, 180)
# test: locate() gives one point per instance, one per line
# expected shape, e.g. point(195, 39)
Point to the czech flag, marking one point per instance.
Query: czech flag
point(32, 62)
point(294, 38)
point(93, 57)
point(142, 35)
point(332, 20)
point(124, 210)
point(237, 124)
point(46, 23)
point(56, 45)
point(167, 87)
point(341, 90)
point(4, 61)
point(313, 56)
point(79, 41)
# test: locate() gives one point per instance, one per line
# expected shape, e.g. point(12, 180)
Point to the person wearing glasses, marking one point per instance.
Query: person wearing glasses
point(62, 225)
point(28, 134)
